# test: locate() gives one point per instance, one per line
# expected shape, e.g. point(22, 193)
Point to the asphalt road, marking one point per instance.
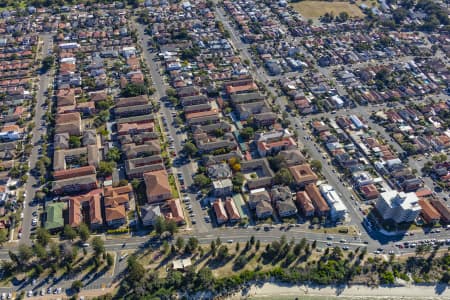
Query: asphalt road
point(161, 86)
point(38, 131)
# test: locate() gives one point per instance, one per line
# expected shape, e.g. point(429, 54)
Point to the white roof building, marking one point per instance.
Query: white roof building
point(338, 210)
point(398, 206)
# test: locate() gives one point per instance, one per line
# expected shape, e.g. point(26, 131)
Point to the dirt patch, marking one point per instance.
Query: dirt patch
point(316, 9)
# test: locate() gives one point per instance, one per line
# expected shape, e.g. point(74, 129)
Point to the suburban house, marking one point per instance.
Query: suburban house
point(292, 157)
point(282, 200)
point(68, 123)
point(157, 186)
point(116, 203)
point(219, 211)
point(305, 204)
point(172, 210)
point(222, 187)
point(429, 213)
point(320, 205)
point(149, 214)
point(232, 211)
point(259, 201)
point(219, 171)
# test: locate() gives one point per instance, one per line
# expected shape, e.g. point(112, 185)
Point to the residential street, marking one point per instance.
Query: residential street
point(161, 86)
point(38, 130)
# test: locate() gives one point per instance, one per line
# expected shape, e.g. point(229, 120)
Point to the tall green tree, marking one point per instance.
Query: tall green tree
point(98, 245)
point(84, 232)
point(69, 232)
point(43, 236)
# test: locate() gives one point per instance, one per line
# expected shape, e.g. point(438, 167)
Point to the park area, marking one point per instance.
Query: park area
point(316, 9)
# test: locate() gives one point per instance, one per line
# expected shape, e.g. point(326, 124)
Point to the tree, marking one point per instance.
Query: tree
point(399, 15)
point(105, 168)
point(74, 141)
point(55, 251)
point(247, 133)
point(135, 270)
point(134, 89)
point(109, 260)
point(238, 181)
point(69, 233)
point(201, 180)
point(190, 149)
point(84, 232)
point(283, 176)
point(47, 63)
point(179, 243)
point(213, 247)
point(25, 253)
point(222, 253)
point(316, 165)
point(98, 245)
point(171, 227)
point(277, 162)
point(43, 236)
point(166, 247)
point(160, 225)
point(113, 154)
point(3, 236)
point(257, 245)
point(387, 277)
point(252, 240)
point(192, 244)
point(343, 16)
point(77, 285)
point(40, 251)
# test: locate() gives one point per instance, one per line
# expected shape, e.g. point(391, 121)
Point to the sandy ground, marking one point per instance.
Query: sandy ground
point(316, 9)
point(274, 291)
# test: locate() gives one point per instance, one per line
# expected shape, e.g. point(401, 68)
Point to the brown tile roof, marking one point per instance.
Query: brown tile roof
point(303, 174)
point(425, 192)
point(231, 209)
point(369, 191)
point(319, 203)
point(429, 213)
point(305, 202)
point(95, 213)
point(157, 183)
point(220, 212)
point(115, 213)
point(110, 191)
point(442, 208)
point(82, 171)
point(212, 112)
point(176, 212)
point(68, 118)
